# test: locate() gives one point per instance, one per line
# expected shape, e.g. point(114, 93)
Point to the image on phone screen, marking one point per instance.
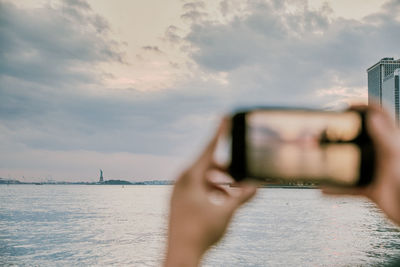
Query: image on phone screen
point(303, 145)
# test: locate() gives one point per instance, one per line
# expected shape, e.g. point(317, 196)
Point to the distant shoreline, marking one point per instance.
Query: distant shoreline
point(149, 182)
point(291, 186)
point(154, 183)
point(107, 182)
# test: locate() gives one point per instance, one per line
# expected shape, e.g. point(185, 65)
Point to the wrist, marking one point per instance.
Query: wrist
point(182, 255)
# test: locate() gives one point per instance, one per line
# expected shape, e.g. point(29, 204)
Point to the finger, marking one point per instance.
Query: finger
point(196, 171)
point(374, 108)
point(207, 157)
point(242, 193)
point(358, 107)
point(384, 112)
point(219, 167)
point(380, 131)
point(216, 178)
point(343, 191)
point(217, 188)
point(374, 105)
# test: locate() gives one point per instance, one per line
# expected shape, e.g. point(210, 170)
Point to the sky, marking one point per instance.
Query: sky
point(136, 88)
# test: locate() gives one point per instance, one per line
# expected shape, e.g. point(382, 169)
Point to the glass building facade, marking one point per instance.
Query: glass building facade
point(376, 74)
point(390, 95)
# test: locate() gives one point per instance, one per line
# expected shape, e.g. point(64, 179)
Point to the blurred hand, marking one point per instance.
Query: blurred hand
point(200, 208)
point(385, 188)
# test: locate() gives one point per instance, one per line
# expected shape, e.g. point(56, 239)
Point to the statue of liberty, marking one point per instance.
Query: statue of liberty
point(101, 176)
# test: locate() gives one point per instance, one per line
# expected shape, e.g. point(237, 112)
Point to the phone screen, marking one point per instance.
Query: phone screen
point(303, 145)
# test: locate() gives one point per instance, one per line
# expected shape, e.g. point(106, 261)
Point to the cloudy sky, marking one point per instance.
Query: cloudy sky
point(137, 87)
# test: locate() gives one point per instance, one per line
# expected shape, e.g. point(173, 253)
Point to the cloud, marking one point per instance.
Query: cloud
point(53, 100)
point(286, 51)
point(194, 5)
point(194, 11)
point(56, 101)
point(152, 48)
point(54, 45)
point(171, 35)
point(117, 120)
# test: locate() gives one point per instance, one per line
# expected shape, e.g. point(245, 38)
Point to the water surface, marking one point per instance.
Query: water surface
point(65, 225)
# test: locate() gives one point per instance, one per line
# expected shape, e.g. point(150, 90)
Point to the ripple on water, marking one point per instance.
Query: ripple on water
point(110, 225)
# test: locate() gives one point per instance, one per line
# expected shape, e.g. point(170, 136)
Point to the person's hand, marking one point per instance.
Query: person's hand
point(385, 188)
point(200, 208)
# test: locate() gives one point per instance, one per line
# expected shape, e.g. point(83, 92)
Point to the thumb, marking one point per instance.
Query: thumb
point(380, 130)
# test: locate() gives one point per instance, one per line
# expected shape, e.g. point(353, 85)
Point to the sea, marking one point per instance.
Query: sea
point(114, 225)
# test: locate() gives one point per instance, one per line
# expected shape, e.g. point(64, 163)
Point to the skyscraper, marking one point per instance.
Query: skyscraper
point(390, 94)
point(376, 75)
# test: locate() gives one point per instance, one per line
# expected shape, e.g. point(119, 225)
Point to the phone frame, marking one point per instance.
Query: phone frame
point(238, 164)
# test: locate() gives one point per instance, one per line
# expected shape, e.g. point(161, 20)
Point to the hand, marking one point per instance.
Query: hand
point(385, 188)
point(201, 209)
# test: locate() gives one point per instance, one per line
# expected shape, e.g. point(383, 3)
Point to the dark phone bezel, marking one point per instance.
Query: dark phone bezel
point(238, 164)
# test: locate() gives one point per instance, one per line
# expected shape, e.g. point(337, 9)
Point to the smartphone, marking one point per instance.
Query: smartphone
point(297, 146)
